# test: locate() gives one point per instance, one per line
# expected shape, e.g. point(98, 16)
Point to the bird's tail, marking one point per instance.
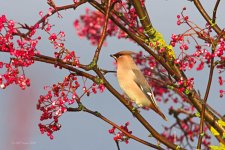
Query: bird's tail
point(158, 111)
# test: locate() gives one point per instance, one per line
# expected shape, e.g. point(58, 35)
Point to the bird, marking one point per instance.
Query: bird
point(133, 82)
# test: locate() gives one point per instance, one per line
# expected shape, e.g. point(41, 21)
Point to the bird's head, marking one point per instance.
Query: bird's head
point(116, 56)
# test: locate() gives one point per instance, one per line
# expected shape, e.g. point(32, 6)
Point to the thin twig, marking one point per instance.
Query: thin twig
point(107, 71)
point(200, 8)
point(103, 35)
point(215, 11)
point(42, 20)
point(117, 145)
point(201, 133)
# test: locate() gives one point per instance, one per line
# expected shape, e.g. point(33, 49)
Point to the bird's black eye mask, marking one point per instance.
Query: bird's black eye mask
point(117, 55)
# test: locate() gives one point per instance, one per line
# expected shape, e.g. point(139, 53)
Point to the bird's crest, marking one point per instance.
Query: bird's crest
point(121, 53)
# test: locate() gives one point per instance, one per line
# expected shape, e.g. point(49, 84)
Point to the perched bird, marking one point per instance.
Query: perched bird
point(133, 82)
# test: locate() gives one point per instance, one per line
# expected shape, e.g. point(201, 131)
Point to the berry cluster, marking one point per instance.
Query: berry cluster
point(90, 25)
point(120, 136)
point(206, 54)
point(21, 50)
point(189, 128)
point(55, 102)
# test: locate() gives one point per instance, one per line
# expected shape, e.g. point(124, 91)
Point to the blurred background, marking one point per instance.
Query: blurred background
point(19, 117)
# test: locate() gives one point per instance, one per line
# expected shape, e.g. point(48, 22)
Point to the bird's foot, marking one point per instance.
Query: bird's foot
point(135, 110)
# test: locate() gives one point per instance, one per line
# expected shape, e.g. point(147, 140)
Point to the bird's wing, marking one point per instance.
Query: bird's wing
point(144, 86)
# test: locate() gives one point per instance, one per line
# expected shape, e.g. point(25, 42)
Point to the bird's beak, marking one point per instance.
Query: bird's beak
point(113, 56)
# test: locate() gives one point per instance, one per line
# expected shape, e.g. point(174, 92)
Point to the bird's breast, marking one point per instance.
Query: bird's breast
point(128, 85)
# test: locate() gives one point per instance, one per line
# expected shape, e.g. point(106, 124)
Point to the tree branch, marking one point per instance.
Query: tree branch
point(57, 62)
